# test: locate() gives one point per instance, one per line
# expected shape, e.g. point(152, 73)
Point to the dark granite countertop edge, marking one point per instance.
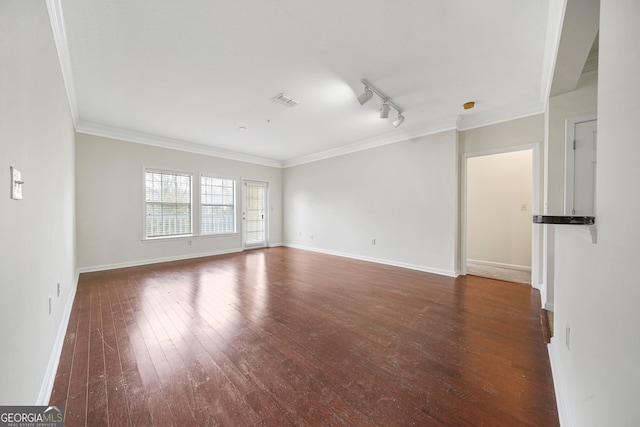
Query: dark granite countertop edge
point(564, 219)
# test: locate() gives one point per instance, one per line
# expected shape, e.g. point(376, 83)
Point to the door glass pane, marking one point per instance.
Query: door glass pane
point(255, 214)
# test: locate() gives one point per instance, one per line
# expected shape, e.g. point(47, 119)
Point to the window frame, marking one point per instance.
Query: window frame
point(201, 204)
point(145, 203)
point(195, 206)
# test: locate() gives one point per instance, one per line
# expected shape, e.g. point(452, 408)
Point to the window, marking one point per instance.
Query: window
point(217, 205)
point(168, 204)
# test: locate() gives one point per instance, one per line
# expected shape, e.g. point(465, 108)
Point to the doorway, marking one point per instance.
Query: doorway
point(580, 166)
point(499, 205)
point(254, 214)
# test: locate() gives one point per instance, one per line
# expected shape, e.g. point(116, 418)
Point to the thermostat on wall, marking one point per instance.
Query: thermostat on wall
point(16, 184)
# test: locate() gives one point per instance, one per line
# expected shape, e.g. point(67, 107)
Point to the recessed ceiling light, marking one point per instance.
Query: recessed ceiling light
point(468, 105)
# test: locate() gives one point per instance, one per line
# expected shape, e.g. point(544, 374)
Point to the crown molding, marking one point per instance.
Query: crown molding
point(170, 143)
point(377, 141)
point(555, 24)
point(462, 123)
point(468, 122)
point(56, 19)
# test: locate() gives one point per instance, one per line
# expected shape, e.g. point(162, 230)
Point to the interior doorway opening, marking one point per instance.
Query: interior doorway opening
point(499, 207)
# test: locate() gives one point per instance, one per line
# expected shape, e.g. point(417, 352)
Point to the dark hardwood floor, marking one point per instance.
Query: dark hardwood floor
point(289, 337)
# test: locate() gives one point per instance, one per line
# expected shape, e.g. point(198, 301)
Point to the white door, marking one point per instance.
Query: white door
point(254, 214)
point(581, 192)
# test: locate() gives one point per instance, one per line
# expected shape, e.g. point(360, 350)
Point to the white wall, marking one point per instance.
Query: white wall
point(37, 233)
point(578, 103)
point(498, 228)
point(110, 201)
point(596, 285)
point(403, 195)
point(501, 137)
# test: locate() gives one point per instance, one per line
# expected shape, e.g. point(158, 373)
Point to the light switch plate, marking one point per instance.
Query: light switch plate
point(16, 184)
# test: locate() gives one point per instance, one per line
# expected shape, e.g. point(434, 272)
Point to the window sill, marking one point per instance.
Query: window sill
point(186, 237)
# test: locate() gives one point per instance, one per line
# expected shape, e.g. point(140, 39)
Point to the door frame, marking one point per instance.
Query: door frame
point(569, 160)
point(536, 237)
point(264, 183)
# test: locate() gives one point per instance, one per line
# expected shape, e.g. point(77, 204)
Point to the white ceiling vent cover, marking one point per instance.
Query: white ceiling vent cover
point(283, 99)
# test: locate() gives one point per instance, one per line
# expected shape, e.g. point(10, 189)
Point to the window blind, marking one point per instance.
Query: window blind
point(217, 205)
point(168, 204)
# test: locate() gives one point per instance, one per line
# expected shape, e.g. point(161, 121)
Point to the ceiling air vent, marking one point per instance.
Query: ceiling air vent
point(283, 99)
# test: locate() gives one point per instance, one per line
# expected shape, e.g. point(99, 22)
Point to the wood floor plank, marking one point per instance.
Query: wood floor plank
point(63, 376)
point(117, 402)
point(282, 336)
point(139, 413)
point(96, 377)
point(75, 404)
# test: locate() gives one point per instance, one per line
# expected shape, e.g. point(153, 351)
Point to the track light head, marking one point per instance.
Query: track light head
point(387, 102)
point(398, 121)
point(366, 96)
point(384, 109)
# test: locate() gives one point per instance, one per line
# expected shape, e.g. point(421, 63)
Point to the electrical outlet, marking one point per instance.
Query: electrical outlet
point(58, 289)
point(373, 241)
point(189, 242)
point(567, 336)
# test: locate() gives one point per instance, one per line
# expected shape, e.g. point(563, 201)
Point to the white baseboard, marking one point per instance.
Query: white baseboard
point(500, 264)
point(54, 359)
point(155, 261)
point(542, 287)
point(425, 269)
point(559, 384)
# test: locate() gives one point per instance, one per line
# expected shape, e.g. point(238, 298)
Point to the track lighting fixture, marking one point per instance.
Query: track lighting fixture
point(398, 121)
point(384, 109)
point(386, 105)
point(366, 96)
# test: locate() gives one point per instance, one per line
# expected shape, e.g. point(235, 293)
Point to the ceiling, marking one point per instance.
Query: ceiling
point(200, 75)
